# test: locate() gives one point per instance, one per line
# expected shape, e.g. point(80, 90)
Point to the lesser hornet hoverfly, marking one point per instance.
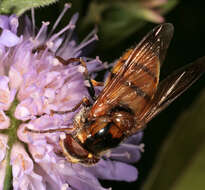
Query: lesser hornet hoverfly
point(132, 96)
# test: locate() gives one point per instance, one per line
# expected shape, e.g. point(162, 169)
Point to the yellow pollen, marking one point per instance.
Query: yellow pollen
point(90, 155)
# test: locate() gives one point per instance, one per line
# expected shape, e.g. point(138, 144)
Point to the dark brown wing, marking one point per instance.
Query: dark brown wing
point(135, 76)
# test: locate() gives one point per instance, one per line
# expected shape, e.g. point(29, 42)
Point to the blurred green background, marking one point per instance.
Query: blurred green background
point(175, 140)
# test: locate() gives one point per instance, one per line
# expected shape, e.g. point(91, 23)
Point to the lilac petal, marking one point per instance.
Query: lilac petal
point(6, 96)
point(42, 152)
point(4, 82)
point(2, 173)
point(126, 153)
point(95, 65)
point(113, 170)
point(52, 177)
point(22, 170)
point(13, 21)
point(135, 139)
point(3, 146)
point(23, 59)
point(27, 30)
point(79, 178)
point(33, 182)
point(20, 158)
point(23, 110)
point(9, 39)
point(15, 77)
point(49, 167)
point(85, 183)
point(2, 52)
point(129, 151)
point(4, 120)
point(4, 22)
point(34, 138)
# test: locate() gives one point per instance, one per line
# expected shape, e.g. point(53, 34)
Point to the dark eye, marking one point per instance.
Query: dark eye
point(105, 138)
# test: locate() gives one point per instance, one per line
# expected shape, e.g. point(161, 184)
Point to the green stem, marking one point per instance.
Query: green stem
point(12, 138)
point(8, 175)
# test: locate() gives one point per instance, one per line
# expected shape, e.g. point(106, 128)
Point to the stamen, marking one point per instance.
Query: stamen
point(46, 50)
point(62, 164)
point(14, 23)
point(49, 44)
point(67, 37)
point(64, 186)
point(87, 83)
point(124, 154)
point(82, 45)
point(33, 21)
point(56, 62)
point(5, 56)
point(141, 147)
point(71, 25)
point(43, 26)
point(81, 69)
point(66, 7)
point(63, 136)
point(64, 45)
point(92, 33)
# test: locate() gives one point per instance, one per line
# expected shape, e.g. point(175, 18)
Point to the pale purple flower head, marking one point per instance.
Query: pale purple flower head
point(32, 83)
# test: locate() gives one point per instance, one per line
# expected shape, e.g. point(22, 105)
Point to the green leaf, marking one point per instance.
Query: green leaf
point(117, 24)
point(194, 177)
point(115, 21)
point(119, 19)
point(169, 6)
point(20, 6)
point(180, 164)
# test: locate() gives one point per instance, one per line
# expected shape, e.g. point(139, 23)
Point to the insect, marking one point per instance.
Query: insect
point(132, 96)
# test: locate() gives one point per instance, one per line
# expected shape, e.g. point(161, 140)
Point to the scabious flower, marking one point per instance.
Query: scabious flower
point(32, 83)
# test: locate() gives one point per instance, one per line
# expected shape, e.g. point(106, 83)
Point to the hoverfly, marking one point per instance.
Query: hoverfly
point(132, 96)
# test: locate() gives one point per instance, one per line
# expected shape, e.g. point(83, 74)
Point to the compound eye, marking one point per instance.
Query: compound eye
point(75, 153)
point(105, 138)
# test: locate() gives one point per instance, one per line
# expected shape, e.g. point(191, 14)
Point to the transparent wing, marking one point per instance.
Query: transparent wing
point(134, 78)
point(173, 86)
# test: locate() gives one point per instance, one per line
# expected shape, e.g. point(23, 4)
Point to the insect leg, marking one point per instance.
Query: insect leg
point(72, 60)
point(49, 130)
point(84, 102)
point(91, 82)
point(68, 61)
point(97, 83)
